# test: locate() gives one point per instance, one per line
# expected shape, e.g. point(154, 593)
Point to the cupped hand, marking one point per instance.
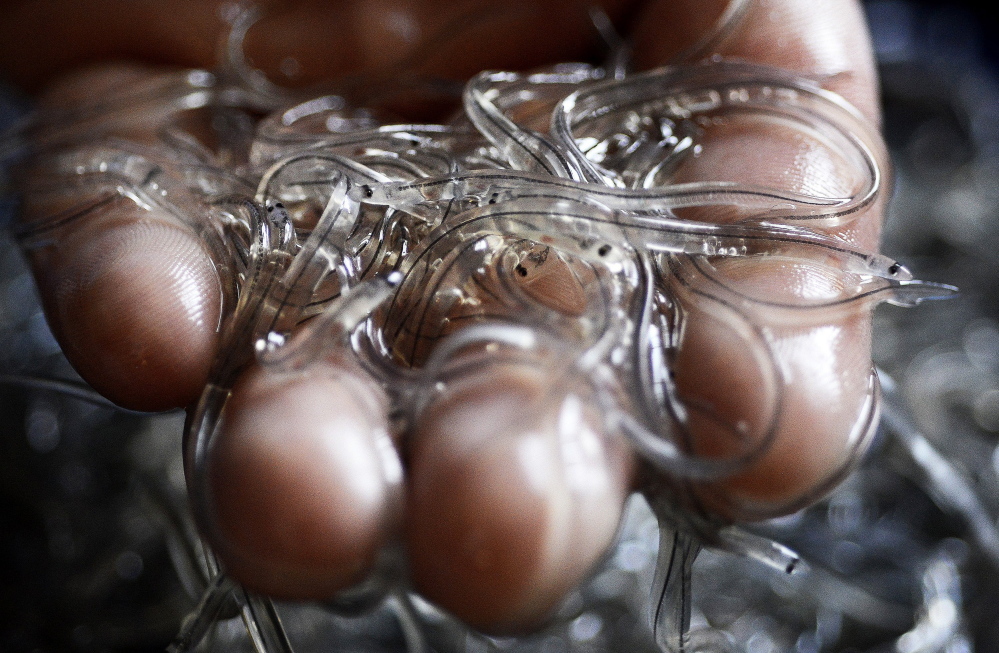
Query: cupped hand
point(306, 483)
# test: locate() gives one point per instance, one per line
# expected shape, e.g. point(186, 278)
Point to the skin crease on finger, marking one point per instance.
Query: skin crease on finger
point(826, 367)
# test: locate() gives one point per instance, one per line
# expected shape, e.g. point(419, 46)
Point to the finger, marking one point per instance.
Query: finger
point(304, 482)
point(823, 396)
point(301, 42)
point(128, 286)
point(515, 494)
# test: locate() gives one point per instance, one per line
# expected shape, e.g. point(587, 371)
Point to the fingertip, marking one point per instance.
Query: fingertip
point(304, 483)
point(515, 494)
point(135, 303)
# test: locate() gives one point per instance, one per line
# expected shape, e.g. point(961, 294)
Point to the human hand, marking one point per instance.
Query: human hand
point(135, 305)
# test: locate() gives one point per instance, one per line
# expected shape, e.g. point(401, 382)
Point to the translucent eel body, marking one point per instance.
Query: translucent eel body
point(659, 232)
